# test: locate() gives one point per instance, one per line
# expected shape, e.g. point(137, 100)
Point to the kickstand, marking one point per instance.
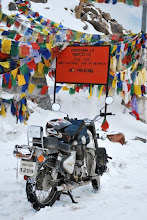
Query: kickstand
point(70, 195)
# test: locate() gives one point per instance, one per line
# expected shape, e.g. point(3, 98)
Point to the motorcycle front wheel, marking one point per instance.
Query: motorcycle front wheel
point(41, 191)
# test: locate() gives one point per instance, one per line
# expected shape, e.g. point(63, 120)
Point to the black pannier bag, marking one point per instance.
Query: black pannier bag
point(101, 160)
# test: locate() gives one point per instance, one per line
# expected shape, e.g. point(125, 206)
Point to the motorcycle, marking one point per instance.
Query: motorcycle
point(68, 157)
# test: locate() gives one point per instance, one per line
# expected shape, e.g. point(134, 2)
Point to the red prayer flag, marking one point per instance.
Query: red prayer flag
point(17, 37)
point(126, 46)
point(44, 90)
point(40, 39)
point(138, 46)
point(35, 46)
point(10, 84)
point(17, 24)
point(24, 50)
point(31, 65)
point(105, 126)
point(3, 55)
point(55, 52)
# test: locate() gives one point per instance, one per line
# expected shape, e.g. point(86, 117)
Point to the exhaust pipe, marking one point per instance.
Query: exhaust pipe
point(67, 187)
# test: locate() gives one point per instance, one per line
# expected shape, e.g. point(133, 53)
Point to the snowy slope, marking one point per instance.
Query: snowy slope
point(129, 17)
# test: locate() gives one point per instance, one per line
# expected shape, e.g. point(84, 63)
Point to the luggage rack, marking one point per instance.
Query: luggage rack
point(35, 140)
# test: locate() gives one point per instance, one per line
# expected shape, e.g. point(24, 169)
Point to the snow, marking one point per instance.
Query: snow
point(123, 193)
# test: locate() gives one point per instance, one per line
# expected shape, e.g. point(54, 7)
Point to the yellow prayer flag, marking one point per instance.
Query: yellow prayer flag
point(5, 64)
point(137, 90)
point(3, 113)
point(25, 122)
point(47, 62)
point(78, 36)
point(113, 64)
point(21, 80)
point(114, 83)
point(22, 95)
point(133, 43)
point(144, 74)
point(56, 25)
point(122, 75)
point(23, 108)
point(101, 89)
point(51, 38)
point(6, 46)
point(31, 88)
point(14, 73)
point(40, 68)
point(90, 93)
point(114, 48)
point(65, 88)
point(48, 46)
point(45, 32)
point(41, 21)
point(88, 37)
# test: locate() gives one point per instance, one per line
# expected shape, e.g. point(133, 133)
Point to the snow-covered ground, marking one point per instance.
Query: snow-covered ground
point(123, 193)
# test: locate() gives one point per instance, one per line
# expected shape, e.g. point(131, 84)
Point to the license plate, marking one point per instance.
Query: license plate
point(27, 168)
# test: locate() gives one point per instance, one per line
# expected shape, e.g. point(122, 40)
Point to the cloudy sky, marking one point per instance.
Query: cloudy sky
point(130, 17)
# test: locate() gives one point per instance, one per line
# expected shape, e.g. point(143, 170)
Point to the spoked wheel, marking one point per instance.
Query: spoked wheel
point(41, 191)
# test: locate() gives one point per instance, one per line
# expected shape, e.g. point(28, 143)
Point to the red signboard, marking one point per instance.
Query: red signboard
point(83, 64)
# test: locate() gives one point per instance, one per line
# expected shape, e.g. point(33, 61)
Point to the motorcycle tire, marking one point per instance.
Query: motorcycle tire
point(40, 190)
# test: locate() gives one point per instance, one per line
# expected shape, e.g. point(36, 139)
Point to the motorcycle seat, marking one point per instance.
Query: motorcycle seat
point(54, 143)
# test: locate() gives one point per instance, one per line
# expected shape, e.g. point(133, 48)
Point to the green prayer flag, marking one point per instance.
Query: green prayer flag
point(71, 91)
point(132, 89)
point(11, 35)
point(45, 70)
point(39, 86)
point(24, 69)
point(14, 49)
point(4, 85)
point(13, 80)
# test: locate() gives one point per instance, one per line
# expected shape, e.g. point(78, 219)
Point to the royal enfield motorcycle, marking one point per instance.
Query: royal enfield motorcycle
point(68, 157)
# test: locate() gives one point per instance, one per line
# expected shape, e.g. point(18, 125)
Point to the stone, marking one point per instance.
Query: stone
point(12, 6)
point(116, 28)
point(88, 9)
point(100, 26)
point(117, 138)
point(85, 27)
point(106, 16)
point(84, 17)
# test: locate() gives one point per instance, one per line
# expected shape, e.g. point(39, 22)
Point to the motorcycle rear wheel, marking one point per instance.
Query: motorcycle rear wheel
point(41, 191)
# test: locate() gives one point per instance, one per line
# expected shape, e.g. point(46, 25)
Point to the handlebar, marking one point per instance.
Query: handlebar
point(105, 114)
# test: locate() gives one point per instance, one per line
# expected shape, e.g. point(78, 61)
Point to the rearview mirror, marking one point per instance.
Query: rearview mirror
point(109, 100)
point(56, 107)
